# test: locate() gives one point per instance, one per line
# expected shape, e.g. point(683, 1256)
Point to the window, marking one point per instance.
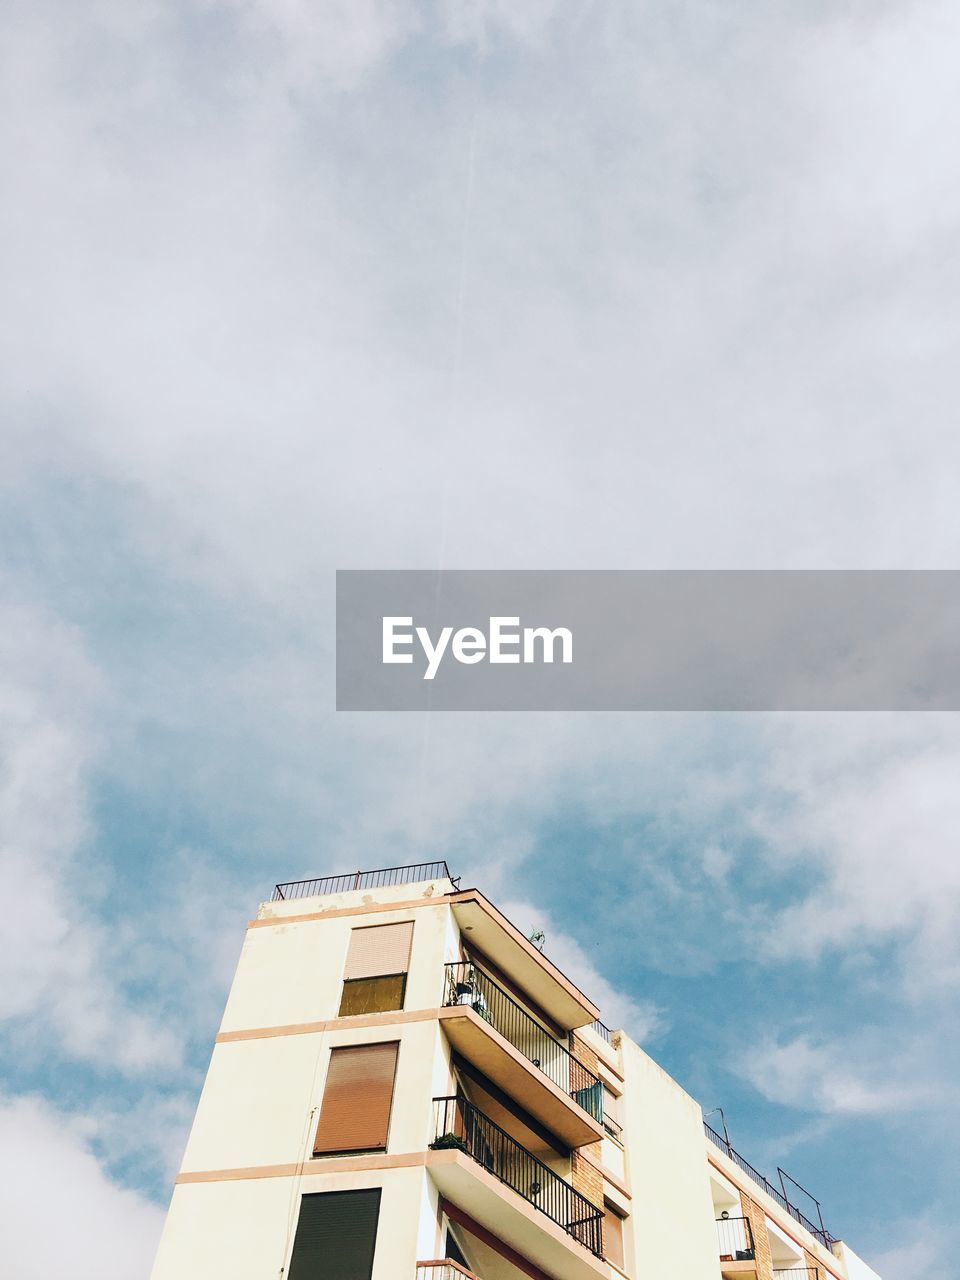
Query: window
point(357, 1098)
point(375, 975)
point(611, 1115)
point(336, 1236)
point(372, 995)
point(612, 1236)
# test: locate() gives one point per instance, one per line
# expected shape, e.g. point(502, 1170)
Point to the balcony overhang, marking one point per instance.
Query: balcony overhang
point(484, 1046)
point(506, 946)
point(512, 1219)
point(740, 1269)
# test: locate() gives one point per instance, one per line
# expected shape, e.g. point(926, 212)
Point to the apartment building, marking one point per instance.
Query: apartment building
point(404, 1088)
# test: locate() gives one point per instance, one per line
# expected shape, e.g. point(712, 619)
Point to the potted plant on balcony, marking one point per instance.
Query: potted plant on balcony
point(465, 990)
point(479, 1006)
point(447, 1141)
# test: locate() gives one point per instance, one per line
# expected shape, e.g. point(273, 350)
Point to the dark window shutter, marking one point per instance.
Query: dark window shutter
point(336, 1236)
point(357, 1097)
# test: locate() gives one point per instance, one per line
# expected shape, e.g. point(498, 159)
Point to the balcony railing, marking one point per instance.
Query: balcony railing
point(819, 1233)
point(443, 1269)
point(613, 1129)
point(460, 1125)
point(386, 877)
point(602, 1030)
point(470, 986)
point(735, 1237)
point(798, 1273)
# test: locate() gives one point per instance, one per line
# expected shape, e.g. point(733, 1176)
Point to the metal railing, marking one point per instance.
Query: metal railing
point(798, 1273)
point(443, 1269)
point(386, 877)
point(735, 1238)
point(466, 984)
point(602, 1030)
point(460, 1125)
point(819, 1233)
point(613, 1129)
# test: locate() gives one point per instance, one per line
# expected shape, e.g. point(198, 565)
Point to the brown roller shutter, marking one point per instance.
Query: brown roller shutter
point(379, 949)
point(612, 1236)
point(355, 1112)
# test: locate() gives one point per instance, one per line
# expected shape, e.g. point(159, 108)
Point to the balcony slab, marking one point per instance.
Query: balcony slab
point(506, 946)
point(499, 1209)
point(480, 1043)
point(738, 1269)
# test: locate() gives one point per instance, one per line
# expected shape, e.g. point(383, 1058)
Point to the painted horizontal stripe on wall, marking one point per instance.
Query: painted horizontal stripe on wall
point(318, 1167)
point(336, 913)
point(359, 1022)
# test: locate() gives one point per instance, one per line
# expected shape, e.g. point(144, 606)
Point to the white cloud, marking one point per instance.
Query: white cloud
point(832, 1077)
point(337, 42)
point(110, 1233)
point(54, 982)
point(927, 1254)
point(149, 1133)
point(693, 333)
point(870, 805)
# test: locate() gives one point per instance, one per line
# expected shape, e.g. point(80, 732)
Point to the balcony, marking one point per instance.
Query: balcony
point(798, 1273)
point(819, 1233)
point(492, 934)
point(540, 1215)
point(614, 1130)
point(495, 1033)
point(443, 1269)
point(735, 1238)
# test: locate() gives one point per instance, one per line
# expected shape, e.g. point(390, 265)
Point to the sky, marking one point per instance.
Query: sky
point(291, 287)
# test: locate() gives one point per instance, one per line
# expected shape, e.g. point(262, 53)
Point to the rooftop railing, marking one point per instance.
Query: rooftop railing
point(460, 1125)
point(735, 1238)
point(386, 877)
point(468, 985)
point(602, 1030)
point(819, 1233)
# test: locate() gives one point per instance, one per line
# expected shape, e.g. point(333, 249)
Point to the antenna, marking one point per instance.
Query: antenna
point(723, 1121)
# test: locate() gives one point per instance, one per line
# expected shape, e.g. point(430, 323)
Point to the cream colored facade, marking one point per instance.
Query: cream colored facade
point(249, 1158)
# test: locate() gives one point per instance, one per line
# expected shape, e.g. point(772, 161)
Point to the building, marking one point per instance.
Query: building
point(405, 1088)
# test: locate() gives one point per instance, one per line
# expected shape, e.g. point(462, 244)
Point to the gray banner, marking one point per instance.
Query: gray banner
point(462, 640)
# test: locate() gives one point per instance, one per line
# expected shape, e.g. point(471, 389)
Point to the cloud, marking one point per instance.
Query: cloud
point(700, 236)
point(871, 804)
point(928, 1252)
point(111, 1232)
point(142, 1137)
point(289, 286)
point(338, 42)
point(56, 987)
point(831, 1077)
